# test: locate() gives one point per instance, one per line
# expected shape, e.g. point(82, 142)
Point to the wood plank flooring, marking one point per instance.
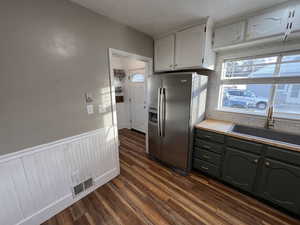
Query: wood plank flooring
point(147, 193)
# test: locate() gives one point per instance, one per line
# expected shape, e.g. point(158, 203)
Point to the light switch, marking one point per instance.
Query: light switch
point(90, 109)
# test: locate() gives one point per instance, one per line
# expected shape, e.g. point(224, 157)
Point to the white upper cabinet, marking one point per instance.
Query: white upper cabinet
point(229, 34)
point(295, 14)
point(164, 53)
point(268, 24)
point(192, 49)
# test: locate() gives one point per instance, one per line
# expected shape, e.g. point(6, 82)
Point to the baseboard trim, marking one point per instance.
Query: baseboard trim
point(66, 201)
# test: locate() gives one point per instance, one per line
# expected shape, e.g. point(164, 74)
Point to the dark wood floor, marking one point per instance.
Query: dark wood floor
point(148, 193)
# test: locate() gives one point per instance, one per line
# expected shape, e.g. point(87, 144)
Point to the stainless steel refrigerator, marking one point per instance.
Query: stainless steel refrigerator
point(176, 103)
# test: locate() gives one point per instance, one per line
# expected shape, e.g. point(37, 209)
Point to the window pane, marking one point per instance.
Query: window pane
point(138, 78)
point(287, 99)
point(290, 58)
point(257, 67)
point(290, 69)
point(250, 98)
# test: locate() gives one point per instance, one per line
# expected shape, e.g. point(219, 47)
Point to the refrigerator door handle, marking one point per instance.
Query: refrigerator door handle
point(163, 114)
point(158, 112)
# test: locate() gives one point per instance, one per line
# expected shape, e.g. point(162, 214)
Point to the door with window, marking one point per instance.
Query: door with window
point(138, 109)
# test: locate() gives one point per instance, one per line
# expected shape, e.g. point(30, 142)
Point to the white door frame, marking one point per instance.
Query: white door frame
point(148, 71)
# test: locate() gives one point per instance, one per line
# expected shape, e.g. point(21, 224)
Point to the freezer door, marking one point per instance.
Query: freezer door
point(176, 120)
point(154, 83)
point(154, 138)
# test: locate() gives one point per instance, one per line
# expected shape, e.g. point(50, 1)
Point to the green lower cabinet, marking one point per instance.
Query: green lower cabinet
point(268, 172)
point(280, 184)
point(239, 169)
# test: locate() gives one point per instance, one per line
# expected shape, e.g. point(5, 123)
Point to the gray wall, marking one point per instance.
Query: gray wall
point(51, 53)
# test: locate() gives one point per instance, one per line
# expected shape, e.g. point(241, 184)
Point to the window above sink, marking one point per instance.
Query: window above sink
point(250, 85)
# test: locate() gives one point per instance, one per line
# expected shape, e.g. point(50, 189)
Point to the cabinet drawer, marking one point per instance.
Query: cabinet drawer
point(210, 136)
point(206, 167)
point(213, 147)
point(244, 145)
point(207, 156)
point(283, 155)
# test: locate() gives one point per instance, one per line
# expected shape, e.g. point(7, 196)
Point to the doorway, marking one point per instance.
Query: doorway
point(128, 75)
point(138, 102)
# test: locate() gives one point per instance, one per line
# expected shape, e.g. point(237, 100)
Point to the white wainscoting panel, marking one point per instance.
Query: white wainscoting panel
point(36, 183)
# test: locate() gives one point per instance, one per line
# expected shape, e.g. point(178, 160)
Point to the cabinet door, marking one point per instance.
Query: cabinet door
point(164, 53)
point(280, 184)
point(268, 24)
point(239, 168)
point(229, 35)
point(296, 19)
point(190, 47)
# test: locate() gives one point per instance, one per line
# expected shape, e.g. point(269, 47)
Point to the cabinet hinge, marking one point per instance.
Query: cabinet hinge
point(205, 29)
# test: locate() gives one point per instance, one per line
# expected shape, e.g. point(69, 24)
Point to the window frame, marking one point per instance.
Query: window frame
point(135, 74)
point(274, 80)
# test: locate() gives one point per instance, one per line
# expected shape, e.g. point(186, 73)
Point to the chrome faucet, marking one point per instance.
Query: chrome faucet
point(270, 122)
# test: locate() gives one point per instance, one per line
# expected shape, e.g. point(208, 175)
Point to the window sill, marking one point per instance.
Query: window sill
point(241, 112)
point(284, 116)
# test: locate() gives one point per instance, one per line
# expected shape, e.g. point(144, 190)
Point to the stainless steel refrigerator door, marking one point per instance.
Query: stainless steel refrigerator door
point(154, 82)
point(176, 107)
point(154, 140)
point(154, 85)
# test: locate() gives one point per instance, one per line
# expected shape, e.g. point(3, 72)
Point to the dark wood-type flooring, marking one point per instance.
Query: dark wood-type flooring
point(148, 193)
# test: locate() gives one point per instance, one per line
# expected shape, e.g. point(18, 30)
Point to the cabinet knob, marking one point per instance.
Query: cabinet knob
point(176, 65)
point(171, 66)
point(267, 164)
point(255, 161)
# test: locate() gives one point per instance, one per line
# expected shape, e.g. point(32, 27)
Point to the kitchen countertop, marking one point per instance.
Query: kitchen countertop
point(224, 127)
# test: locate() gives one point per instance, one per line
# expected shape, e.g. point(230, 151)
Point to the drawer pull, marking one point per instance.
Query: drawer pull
point(255, 161)
point(206, 157)
point(206, 147)
point(267, 164)
point(203, 167)
point(207, 136)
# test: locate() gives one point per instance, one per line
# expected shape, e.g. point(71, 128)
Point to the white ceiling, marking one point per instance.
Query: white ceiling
point(158, 16)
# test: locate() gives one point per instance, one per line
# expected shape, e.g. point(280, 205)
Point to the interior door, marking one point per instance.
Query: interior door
point(164, 53)
point(190, 47)
point(176, 108)
point(138, 109)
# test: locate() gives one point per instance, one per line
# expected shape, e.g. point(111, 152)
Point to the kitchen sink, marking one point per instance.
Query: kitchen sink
point(268, 134)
